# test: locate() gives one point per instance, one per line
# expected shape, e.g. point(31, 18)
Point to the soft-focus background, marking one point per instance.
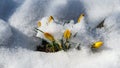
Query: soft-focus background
point(18, 18)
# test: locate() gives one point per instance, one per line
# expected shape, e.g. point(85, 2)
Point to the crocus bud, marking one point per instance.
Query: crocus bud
point(39, 24)
point(97, 44)
point(49, 36)
point(67, 34)
point(80, 18)
point(50, 19)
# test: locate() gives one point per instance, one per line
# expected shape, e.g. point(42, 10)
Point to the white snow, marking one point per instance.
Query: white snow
point(18, 41)
point(5, 33)
point(98, 10)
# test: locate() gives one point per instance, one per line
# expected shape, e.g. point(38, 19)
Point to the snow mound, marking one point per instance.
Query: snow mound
point(98, 10)
point(5, 33)
point(22, 58)
point(112, 31)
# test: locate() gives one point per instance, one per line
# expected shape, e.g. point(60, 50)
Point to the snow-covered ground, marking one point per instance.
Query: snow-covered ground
point(18, 18)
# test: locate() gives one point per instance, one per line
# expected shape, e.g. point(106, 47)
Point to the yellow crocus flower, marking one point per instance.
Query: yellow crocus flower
point(81, 16)
point(67, 34)
point(49, 36)
point(39, 24)
point(97, 44)
point(50, 19)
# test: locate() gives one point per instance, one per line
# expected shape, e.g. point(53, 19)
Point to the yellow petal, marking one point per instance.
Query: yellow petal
point(97, 44)
point(39, 24)
point(67, 34)
point(50, 19)
point(49, 36)
point(80, 18)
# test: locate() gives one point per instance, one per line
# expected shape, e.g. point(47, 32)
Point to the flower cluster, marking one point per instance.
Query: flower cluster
point(60, 35)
